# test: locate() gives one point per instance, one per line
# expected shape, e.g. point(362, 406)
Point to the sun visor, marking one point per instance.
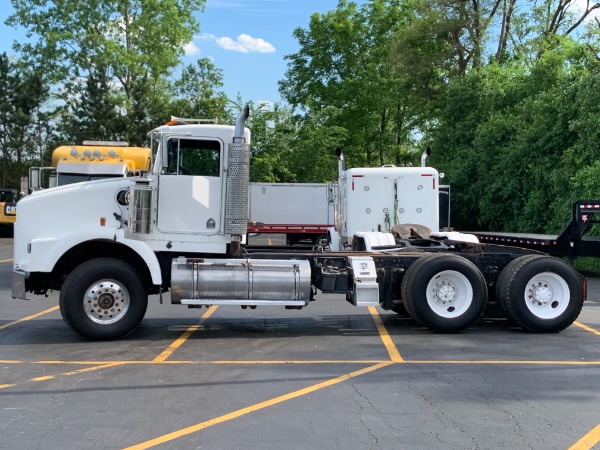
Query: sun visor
point(92, 169)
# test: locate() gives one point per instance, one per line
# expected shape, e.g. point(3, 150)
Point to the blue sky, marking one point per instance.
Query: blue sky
point(247, 39)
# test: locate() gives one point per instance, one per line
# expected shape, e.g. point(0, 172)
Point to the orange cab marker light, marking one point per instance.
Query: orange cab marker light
point(102, 221)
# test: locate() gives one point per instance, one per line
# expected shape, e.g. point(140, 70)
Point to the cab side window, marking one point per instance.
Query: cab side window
point(194, 157)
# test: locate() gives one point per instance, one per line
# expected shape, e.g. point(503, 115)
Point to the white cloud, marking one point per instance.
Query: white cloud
point(191, 49)
point(244, 43)
point(206, 37)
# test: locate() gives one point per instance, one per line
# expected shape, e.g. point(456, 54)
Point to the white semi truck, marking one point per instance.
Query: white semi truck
point(107, 245)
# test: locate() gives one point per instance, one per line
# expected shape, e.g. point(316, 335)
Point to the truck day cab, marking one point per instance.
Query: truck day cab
point(107, 245)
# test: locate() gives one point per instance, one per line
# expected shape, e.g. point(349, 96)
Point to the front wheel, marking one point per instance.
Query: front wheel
point(444, 292)
point(103, 299)
point(540, 293)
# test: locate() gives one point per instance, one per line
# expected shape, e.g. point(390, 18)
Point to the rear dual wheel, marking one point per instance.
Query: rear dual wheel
point(445, 293)
point(540, 293)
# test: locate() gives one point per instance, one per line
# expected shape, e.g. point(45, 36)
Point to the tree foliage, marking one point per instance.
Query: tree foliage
point(198, 92)
point(135, 43)
point(23, 124)
point(344, 76)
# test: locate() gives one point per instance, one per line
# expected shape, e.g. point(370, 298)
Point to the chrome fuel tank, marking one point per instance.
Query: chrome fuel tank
point(240, 281)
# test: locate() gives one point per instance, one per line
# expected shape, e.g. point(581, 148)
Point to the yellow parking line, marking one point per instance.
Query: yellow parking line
point(63, 374)
point(507, 362)
point(317, 361)
point(588, 441)
point(33, 316)
point(586, 328)
point(215, 362)
point(256, 407)
point(5, 260)
point(184, 337)
point(385, 337)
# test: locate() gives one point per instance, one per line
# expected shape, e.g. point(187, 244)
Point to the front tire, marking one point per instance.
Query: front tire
point(103, 299)
point(540, 293)
point(445, 293)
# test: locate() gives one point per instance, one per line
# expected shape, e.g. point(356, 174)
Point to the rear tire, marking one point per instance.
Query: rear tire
point(540, 293)
point(445, 293)
point(103, 299)
point(400, 309)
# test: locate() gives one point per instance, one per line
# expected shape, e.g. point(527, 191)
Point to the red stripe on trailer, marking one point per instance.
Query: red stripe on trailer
point(429, 175)
point(356, 176)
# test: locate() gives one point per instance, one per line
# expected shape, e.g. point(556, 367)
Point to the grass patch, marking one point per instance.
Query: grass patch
point(588, 266)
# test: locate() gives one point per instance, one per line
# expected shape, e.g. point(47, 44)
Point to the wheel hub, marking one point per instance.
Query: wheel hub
point(541, 293)
point(106, 302)
point(444, 291)
point(449, 294)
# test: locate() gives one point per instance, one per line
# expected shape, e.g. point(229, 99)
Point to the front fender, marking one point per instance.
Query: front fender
point(45, 252)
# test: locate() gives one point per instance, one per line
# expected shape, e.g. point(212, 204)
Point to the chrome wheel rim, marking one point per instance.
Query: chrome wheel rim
point(106, 302)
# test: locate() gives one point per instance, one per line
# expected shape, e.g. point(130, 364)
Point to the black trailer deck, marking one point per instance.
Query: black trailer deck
point(580, 237)
point(546, 243)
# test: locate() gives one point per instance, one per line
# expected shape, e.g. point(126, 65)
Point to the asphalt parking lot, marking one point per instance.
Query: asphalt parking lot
point(330, 376)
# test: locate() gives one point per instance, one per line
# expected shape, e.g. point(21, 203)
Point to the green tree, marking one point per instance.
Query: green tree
point(343, 73)
point(272, 130)
point(138, 42)
point(313, 158)
point(509, 139)
point(92, 114)
point(198, 92)
point(24, 124)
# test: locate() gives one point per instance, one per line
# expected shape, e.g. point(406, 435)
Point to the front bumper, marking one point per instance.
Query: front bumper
point(18, 284)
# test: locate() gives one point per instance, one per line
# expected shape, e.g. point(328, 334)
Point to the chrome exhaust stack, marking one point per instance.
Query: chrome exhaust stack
point(239, 124)
point(238, 178)
point(425, 157)
point(341, 162)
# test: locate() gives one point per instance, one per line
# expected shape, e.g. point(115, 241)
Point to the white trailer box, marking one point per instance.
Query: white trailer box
point(376, 199)
point(296, 209)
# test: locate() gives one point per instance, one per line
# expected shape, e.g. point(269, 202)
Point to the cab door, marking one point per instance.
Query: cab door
point(190, 187)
